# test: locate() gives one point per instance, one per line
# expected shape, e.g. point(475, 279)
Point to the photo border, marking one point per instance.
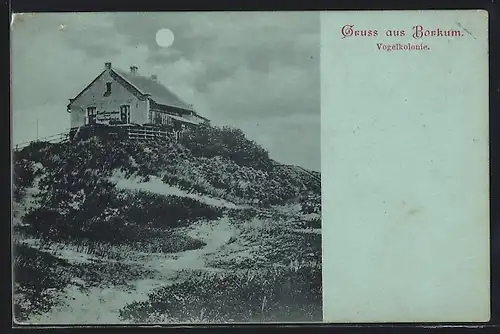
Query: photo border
point(493, 8)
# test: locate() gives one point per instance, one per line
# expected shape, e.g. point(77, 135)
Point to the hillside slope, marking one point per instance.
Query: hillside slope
point(117, 232)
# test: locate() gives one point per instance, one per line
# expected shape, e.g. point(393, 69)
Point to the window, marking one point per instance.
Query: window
point(91, 115)
point(125, 114)
point(108, 89)
point(160, 118)
point(157, 117)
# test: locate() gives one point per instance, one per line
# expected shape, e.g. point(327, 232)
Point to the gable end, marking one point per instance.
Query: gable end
point(87, 87)
point(119, 79)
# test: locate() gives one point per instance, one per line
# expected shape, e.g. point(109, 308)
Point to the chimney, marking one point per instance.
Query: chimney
point(107, 66)
point(154, 77)
point(133, 69)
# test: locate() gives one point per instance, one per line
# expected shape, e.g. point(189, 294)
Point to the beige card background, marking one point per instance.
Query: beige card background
point(405, 169)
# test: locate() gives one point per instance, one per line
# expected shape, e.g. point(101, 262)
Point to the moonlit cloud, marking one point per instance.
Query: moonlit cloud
point(257, 71)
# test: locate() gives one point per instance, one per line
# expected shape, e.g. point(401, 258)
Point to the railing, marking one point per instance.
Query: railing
point(57, 138)
point(132, 132)
point(316, 178)
point(299, 169)
point(136, 133)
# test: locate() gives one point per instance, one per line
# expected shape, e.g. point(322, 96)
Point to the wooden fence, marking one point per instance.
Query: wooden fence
point(132, 133)
point(313, 176)
point(57, 138)
point(150, 133)
point(298, 169)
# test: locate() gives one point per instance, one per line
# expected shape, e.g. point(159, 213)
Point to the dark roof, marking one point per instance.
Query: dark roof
point(158, 92)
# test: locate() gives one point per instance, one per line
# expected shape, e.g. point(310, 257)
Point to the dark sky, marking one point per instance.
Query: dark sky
point(257, 71)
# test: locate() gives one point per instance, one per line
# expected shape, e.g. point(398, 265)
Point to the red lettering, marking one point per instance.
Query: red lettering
point(397, 33)
point(349, 31)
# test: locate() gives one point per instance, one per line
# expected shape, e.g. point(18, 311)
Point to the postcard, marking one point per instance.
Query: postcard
point(250, 167)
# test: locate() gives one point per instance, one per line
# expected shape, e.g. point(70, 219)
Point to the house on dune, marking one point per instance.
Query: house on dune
point(117, 98)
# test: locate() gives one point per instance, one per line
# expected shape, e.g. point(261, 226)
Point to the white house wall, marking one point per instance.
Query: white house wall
point(94, 97)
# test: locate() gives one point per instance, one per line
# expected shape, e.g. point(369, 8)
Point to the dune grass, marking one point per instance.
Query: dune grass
point(38, 276)
point(278, 294)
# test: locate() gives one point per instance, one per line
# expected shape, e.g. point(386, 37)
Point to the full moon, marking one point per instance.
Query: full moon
point(164, 37)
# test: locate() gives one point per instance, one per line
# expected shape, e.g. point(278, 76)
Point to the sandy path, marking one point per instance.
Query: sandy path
point(96, 306)
point(102, 305)
point(157, 186)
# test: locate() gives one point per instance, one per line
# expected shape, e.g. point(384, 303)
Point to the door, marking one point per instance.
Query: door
point(91, 115)
point(125, 114)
